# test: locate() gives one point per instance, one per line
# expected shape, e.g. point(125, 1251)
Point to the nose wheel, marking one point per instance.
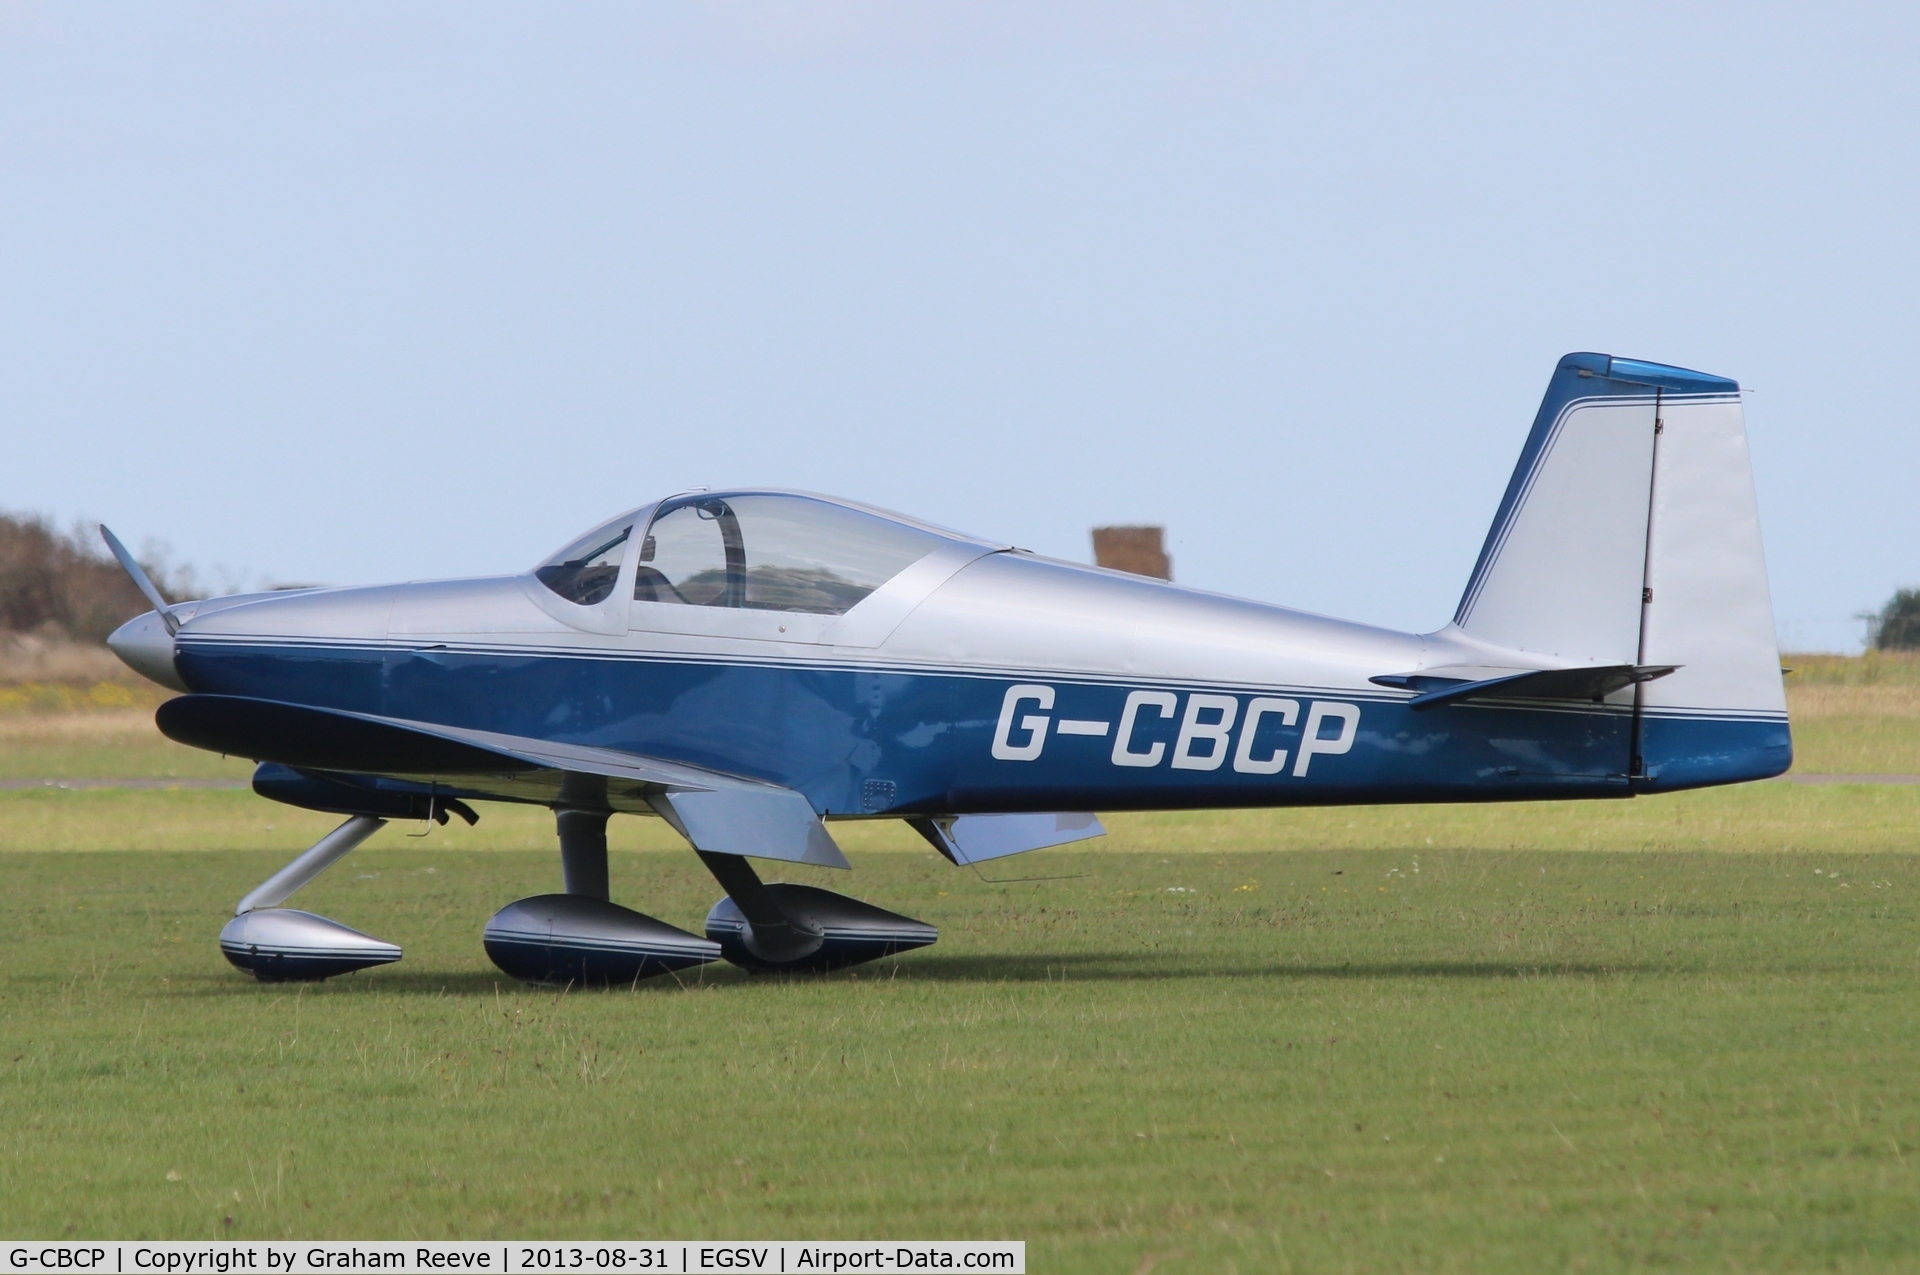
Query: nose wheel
point(284, 945)
point(281, 945)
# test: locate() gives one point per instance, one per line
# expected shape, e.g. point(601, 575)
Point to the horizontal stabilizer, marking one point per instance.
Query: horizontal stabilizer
point(977, 838)
point(1590, 683)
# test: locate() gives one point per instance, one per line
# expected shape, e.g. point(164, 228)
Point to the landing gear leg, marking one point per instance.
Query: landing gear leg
point(583, 851)
point(277, 944)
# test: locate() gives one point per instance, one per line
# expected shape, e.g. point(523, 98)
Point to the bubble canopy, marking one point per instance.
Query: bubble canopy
point(759, 551)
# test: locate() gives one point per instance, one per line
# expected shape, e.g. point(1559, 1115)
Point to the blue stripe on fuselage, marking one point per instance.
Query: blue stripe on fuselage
point(928, 736)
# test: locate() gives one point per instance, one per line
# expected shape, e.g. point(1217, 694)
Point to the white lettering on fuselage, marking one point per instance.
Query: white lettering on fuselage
point(1035, 726)
point(1123, 750)
point(1205, 739)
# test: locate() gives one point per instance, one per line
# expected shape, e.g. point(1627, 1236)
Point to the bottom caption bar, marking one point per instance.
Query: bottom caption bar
point(285, 1257)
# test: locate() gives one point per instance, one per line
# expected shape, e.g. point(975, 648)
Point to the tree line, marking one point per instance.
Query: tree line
point(65, 584)
point(1897, 626)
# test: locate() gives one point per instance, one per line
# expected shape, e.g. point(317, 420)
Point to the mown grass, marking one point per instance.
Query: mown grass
point(1673, 1032)
point(1254, 1061)
point(112, 743)
point(1756, 818)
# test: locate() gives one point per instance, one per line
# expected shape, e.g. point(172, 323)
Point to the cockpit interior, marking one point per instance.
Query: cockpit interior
point(759, 551)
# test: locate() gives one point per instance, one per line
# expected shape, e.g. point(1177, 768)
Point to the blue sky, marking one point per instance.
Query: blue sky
point(351, 293)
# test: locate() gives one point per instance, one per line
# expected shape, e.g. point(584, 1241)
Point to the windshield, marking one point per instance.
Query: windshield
point(587, 570)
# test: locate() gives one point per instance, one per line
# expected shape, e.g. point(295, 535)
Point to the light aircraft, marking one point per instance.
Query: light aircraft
point(752, 665)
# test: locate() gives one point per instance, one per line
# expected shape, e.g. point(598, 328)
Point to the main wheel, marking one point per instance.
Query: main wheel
point(825, 931)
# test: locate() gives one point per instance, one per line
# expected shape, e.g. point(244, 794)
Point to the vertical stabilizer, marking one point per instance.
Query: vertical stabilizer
point(1560, 573)
point(1629, 534)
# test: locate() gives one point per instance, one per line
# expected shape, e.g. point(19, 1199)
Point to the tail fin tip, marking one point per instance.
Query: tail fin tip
point(1586, 365)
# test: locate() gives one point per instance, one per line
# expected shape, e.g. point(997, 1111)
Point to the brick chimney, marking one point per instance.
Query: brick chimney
point(1140, 550)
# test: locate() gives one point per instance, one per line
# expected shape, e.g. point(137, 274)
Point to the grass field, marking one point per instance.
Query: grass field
point(1855, 716)
point(1673, 1033)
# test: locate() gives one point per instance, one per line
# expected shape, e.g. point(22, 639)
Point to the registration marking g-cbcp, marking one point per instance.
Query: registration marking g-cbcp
point(1206, 738)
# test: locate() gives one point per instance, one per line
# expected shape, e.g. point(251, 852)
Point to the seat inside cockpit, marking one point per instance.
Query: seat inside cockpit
point(772, 553)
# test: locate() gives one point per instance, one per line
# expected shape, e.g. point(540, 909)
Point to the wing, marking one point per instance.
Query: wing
point(715, 811)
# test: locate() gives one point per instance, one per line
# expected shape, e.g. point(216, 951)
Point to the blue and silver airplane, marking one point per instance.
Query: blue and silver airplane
point(754, 665)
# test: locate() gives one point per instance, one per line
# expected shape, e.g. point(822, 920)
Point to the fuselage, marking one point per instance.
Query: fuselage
point(979, 679)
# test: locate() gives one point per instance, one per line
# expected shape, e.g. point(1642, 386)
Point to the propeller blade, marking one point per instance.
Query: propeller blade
point(140, 580)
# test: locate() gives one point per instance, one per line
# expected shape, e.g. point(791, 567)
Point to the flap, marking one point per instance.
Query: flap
point(767, 823)
point(978, 838)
